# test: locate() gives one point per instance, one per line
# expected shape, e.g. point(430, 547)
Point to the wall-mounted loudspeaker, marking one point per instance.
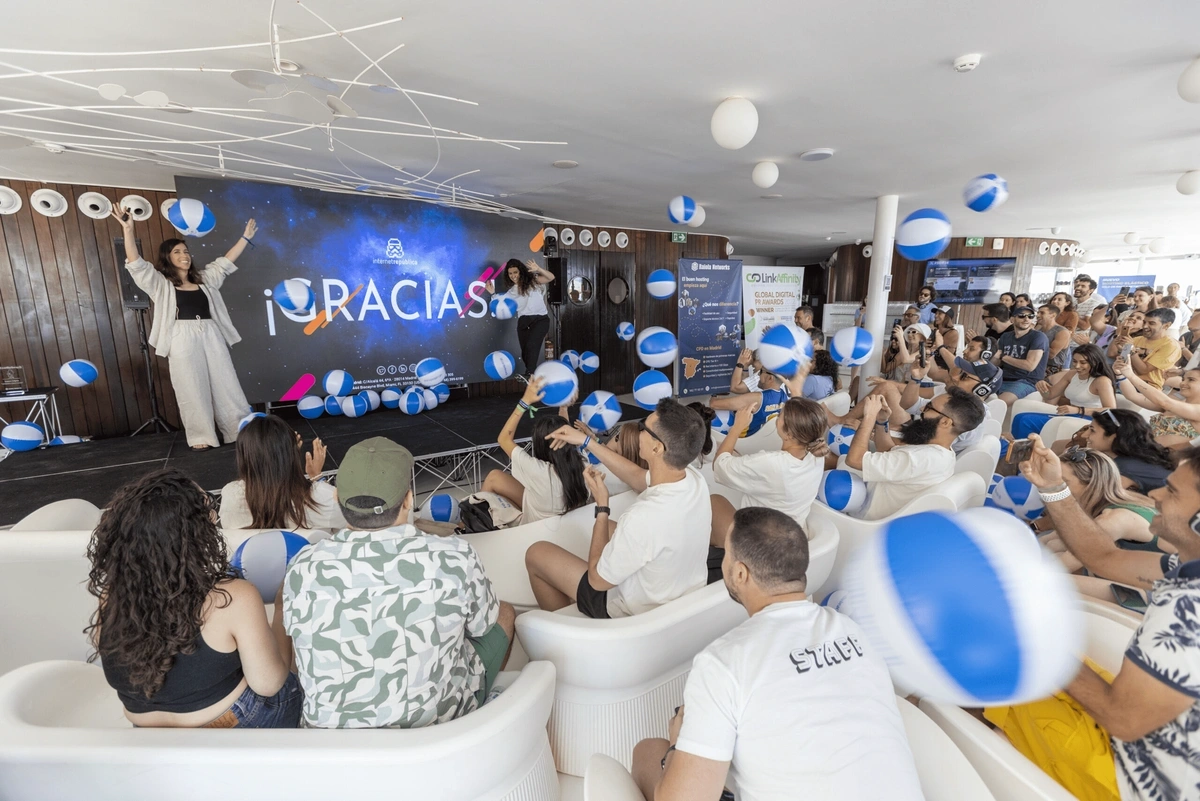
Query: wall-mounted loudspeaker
point(554, 290)
point(550, 243)
point(94, 205)
point(138, 207)
point(131, 294)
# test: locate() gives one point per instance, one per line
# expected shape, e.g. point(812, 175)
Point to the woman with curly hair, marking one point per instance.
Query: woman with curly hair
point(822, 380)
point(183, 642)
point(527, 288)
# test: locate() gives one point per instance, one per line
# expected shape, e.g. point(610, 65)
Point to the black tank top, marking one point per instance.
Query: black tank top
point(195, 681)
point(191, 305)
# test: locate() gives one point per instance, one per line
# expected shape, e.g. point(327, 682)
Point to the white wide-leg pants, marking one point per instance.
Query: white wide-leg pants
point(206, 386)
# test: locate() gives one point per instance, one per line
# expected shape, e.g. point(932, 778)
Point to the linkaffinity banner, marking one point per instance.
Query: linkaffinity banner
point(710, 325)
point(770, 295)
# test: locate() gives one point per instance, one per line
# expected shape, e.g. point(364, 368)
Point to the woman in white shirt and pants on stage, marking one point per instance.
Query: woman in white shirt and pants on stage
point(527, 287)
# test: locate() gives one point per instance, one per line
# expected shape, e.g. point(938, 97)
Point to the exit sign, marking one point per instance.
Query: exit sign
point(974, 241)
point(679, 236)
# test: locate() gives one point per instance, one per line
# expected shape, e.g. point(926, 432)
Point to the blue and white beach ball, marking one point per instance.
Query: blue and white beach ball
point(245, 421)
point(430, 372)
point(589, 362)
point(785, 349)
point(499, 365)
point(661, 284)
point(985, 192)
point(333, 405)
point(338, 382)
point(842, 491)
point(570, 358)
point(681, 209)
point(838, 601)
point(412, 401)
point(1015, 495)
point(650, 387)
point(390, 397)
point(372, 397)
point(723, 421)
point(263, 560)
point(441, 507)
point(293, 295)
point(656, 347)
point(22, 436)
point(430, 398)
point(355, 406)
point(839, 438)
point(923, 235)
point(600, 411)
point(561, 383)
point(626, 331)
point(851, 347)
point(442, 393)
point(190, 217)
point(311, 407)
point(963, 612)
point(503, 307)
point(66, 439)
point(78, 373)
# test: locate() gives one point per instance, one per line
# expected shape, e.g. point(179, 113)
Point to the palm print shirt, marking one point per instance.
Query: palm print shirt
point(380, 621)
point(1165, 764)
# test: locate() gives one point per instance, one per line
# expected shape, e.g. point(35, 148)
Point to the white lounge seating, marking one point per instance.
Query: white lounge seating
point(71, 514)
point(765, 439)
point(1007, 773)
point(1061, 428)
point(980, 459)
point(1125, 403)
point(838, 402)
point(63, 735)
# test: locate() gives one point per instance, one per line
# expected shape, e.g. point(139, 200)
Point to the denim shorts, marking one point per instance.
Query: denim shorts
point(1018, 388)
point(253, 711)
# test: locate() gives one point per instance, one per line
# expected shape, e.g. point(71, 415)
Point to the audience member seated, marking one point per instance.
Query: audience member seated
point(548, 482)
point(765, 401)
point(1087, 299)
point(1151, 707)
point(1097, 331)
point(392, 627)
point(1153, 352)
point(656, 551)
point(1189, 344)
point(1175, 424)
point(1008, 299)
point(1175, 328)
point(1023, 300)
point(1088, 386)
point(745, 373)
point(823, 379)
point(1022, 356)
point(998, 319)
point(925, 305)
point(183, 643)
point(818, 337)
point(896, 474)
point(707, 414)
point(1058, 337)
point(1125, 437)
point(905, 348)
point(1142, 301)
point(803, 317)
point(277, 486)
point(1066, 315)
point(793, 703)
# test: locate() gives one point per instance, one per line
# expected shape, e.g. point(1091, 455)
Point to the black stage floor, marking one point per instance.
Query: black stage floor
point(94, 470)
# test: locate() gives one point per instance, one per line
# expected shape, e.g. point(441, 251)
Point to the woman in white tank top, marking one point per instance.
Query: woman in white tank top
point(1088, 386)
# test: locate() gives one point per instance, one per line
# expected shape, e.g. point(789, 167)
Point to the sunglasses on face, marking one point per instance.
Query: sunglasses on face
point(1075, 454)
point(1024, 316)
point(1112, 418)
point(643, 427)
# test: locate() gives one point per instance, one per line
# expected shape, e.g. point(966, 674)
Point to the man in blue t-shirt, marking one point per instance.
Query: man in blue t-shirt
point(766, 402)
point(1022, 355)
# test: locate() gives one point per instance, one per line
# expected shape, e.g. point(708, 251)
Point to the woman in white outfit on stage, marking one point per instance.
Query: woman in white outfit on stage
point(191, 327)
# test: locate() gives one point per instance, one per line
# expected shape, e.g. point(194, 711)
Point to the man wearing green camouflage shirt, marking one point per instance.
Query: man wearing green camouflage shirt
point(391, 627)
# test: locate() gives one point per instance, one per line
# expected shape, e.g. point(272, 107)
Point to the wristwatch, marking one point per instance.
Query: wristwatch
point(741, 366)
point(603, 510)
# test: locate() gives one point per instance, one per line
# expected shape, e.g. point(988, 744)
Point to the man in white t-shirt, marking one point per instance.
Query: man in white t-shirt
point(793, 703)
point(657, 551)
point(896, 474)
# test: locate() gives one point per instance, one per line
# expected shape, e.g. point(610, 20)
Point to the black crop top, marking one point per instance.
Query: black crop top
point(191, 305)
point(195, 681)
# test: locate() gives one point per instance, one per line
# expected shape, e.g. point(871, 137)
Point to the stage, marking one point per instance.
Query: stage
point(458, 437)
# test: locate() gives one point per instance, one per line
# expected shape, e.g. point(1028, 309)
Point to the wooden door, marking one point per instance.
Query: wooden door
point(579, 318)
point(616, 286)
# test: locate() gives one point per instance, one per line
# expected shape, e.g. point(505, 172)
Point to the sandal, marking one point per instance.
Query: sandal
point(202, 448)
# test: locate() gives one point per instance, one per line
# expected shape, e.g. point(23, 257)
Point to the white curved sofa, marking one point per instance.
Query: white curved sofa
point(1061, 428)
point(981, 459)
point(1005, 770)
point(63, 735)
point(838, 402)
point(70, 514)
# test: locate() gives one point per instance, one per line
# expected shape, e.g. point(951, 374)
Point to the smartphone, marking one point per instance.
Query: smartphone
point(1125, 291)
point(1019, 451)
point(921, 354)
point(895, 322)
point(1126, 350)
point(1129, 599)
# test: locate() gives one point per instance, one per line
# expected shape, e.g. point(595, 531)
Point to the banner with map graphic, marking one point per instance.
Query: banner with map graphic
point(710, 324)
point(770, 296)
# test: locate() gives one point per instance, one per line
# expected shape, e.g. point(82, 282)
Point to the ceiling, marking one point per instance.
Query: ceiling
point(1074, 103)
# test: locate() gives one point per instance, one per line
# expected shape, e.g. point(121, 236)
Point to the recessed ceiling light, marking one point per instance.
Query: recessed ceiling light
point(289, 66)
point(817, 154)
point(771, 197)
point(566, 164)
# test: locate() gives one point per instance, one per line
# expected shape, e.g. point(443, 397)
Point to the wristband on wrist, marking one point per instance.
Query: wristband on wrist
point(603, 510)
point(1055, 494)
point(527, 407)
point(586, 441)
point(741, 366)
point(663, 764)
point(248, 242)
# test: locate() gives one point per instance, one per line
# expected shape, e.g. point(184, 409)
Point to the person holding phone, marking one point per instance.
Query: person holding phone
point(1023, 352)
point(1154, 352)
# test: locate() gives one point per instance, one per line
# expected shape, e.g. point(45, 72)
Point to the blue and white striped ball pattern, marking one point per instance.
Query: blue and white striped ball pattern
point(390, 397)
point(355, 406)
point(190, 217)
point(1015, 495)
point(681, 209)
point(661, 284)
point(839, 438)
point(430, 372)
point(996, 479)
point(591, 458)
point(851, 347)
point(373, 399)
point(723, 421)
point(626, 331)
point(657, 347)
point(503, 307)
point(442, 508)
point(589, 362)
point(442, 393)
point(600, 411)
point(838, 601)
point(263, 560)
point(338, 382)
point(22, 436)
point(923, 235)
point(245, 421)
point(499, 365)
point(293, 295)
point(985, 192)
point(570, 358)
point(333, 405)
point(412, 401)
point(650, 387)
point(561, 384)
point(430, 398)
point(785, 349)
point(78, 373)
point(66, 439)
point(963, 612)
point(843, 491)
point(311, 407)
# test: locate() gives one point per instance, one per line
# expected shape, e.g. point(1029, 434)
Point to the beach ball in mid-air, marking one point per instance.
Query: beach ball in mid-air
point(985, 192)
point(560, 383)
point(923, 235)
point(661, 284)
point(78, 373)
point(657, 347)
point(190, 217)
point(499, 365)
point(650, 387)
point(600, 411)
point(626, 331)
point(852, 347)
point(294, 296)
point(785, 349)
point(681, 209)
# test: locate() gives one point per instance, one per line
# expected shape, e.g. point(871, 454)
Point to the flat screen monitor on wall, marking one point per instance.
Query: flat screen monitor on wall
point(970, 280)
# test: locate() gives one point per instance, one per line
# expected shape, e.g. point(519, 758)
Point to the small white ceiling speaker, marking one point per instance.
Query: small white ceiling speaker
point(967, 63)
point(566, 236)
point(94, 205)
point(549, 232)
point(622, 239)
point(728, 248)
point(1132, 238)
point(1189, 83)
point(1188, 183)
point(10, 201)
point(49, 203)
point(867, 251)
point(1053, 248)
point(817, 154)
point(1044, 248)
point(165, 206)
point(585, 238)
point(1158, 245)
point(603, 238)
point(153, 98)
point(697, 218)
point(111, 91)
point(1056, 230)
point(1085, 257)
point(765, 174)
point(734, 123)
point(138, 207)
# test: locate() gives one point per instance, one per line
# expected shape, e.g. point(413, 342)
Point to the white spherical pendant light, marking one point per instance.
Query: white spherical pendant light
point(1189, 183)
point(1131, 238)
point(734, 123)
point(765, 174)
point(697, 218)
point(1158, 245)
point(1189, 82)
